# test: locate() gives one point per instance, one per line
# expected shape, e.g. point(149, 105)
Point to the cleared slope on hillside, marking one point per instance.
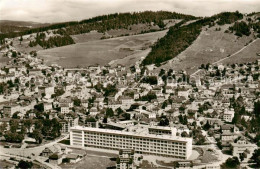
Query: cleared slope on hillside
point(131, 30)
point(249, 54)
point(100, 51)
point(180, 37)
point(210, 46)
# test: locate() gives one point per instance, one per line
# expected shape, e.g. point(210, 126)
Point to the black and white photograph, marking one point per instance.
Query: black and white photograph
point(129, 84)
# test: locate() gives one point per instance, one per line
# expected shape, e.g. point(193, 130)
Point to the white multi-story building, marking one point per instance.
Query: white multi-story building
point(141, 142)
point(228, 115)
point(64, 108)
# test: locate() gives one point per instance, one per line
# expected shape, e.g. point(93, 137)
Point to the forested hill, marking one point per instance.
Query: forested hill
point(180, 37)
point(105, 22)
point(7, 26)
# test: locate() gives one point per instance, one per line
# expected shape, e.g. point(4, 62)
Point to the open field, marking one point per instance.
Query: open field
point(24, 48)
point(209, 47)
point(100, 51)
point(86, 37)
point(132, 30)
point(131, 59)
point(93, 160)
point(249, 54)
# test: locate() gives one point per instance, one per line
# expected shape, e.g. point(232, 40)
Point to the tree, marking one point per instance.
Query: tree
point(13, 137)
point(21, 39)
point(3, 127)
point(152, 80)
point(184, 134)
point(105, 119)
point(257, 108)
point(109, 112)
point(50, 128)
point(28, 123)
point(16, 81)
point(119, 111)
point(127, 116)
point(10, 83)
point(182, 109)
point(183, 119)
point(256, 157)
point(110, 90)
point(37, 136)
point(39, 107)
point(161, 24)
point(198, 137)
point(231, 163)
point(24, 164)
point(162, 72)
point(210, 132)
point(56, 127)
point(43, 95)
point(90, 119)
point(14, 124)
point(14, 54)
point(15, 115)
point(207, 126)
point(164, 104)
point(242, 156)
point(150, 96)
point(219, 144)
point(164, 121)
point(77, 102)
point(58, 92)
point(2, 87)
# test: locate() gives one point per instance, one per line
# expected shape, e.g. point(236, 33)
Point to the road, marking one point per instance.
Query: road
point(23, 153)
point(33, 160)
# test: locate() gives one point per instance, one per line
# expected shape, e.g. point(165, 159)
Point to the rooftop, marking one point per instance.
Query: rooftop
point(131, 133)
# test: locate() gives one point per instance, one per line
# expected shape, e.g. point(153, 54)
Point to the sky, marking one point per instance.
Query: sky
point(74, 10)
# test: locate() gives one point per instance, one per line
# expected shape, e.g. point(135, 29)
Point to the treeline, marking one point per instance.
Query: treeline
point(227, 17)
point(178, 38)
point(11, 28)
point(105, 22)
point(175, 41)
point(242, 28)
point(124, 20)
point(53, 41)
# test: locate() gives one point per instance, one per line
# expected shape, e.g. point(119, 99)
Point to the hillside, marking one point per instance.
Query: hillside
point(181, 36)
point(166, 39)
point(209, 47)
point(101, 24)
point(8, 26)
point(217, 40)
point(90, 37)
point(124, 50)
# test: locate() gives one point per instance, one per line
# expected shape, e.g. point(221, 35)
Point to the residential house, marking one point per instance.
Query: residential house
point(64, 108)
point(243, 147)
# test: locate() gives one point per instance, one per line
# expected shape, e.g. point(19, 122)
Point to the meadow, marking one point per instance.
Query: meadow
point(100, 51)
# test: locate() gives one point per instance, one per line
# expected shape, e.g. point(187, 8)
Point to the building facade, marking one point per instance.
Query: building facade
point(160, 145)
